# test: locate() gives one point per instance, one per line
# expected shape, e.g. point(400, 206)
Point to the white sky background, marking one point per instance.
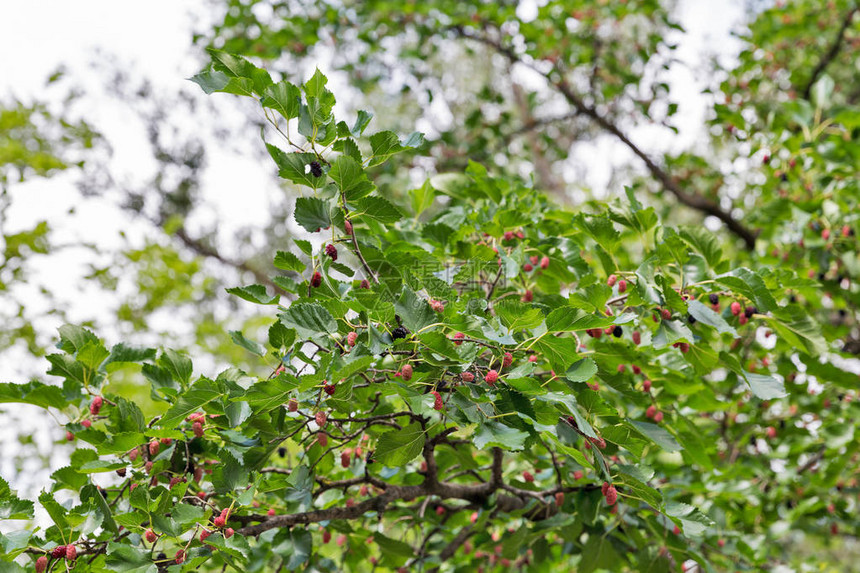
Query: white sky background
point(152, 40)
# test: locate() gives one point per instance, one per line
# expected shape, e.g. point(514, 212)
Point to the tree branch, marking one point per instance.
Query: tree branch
point(830, 55)
point(693, 201)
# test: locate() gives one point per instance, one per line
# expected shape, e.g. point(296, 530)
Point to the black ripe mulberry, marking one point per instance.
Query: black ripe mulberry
point(617, 331)
point(399, 332)
point(749, 311)
point(316, 169)
point(691, 319)
point(714, 298)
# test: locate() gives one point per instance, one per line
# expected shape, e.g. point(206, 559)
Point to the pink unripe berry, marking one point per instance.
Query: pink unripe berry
point(150, 536)
point(347, 226)
point(666, 314)
point(637, 337)
point(742, 319)
point(180, 556)
point(508, 235)
point(406, 372)
point(197, 428)
point(507, 359)
point(544, 262)
point(636, 370)
point(41, 564)
point(533, 358)
point(87, 423)
point(646, 386)
point(578, 474)
point(528, 296)
point(228, 533)
point(458, 338)
point(534, 259)
point(96, 405)
point(658, 417)
point(219, 522)
point(721, 542)
point(346, 458)
point(71, 553)
point(771, 432)
point(364, 284)
point(491, 377)
point(651, 411)
point(467, 377)
point(133, 453)
point(351, 338)
point(622, 286)
point(271, 512)
point(825, 234)
point(621, 368)
point(58, 552)
point(69, 436)
point(292, 405)
point(320, 418)
point(610, 282)
point(736, 308)
point(440, 510)
point(559, 498)
point(437, 403)
point(326, 536)
point(204, 533)
point(154, 447)
point(341, 540)
point(610, 493)
point(322, 439)
point(528, 476)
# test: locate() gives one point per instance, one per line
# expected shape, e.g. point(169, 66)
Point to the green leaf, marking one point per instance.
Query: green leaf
point(11, 506)
point(287, 261)
point(254, 293)
point(249, 345)
point(312, 214)
point(569, 319)
point(178, 365)
point(386, 143)
point(747, 283)
point(799, 330)
point(283, 97)
point(350, 178)
point(34, 393)
point(422, 198)
point(295, 167)
point(657, 435)
point(398, 448)
point(707, 316)
point(581, 370)
point(492, 433)
point(379, 209)
point(414, 311)
point(198, 395)
point(309, 320)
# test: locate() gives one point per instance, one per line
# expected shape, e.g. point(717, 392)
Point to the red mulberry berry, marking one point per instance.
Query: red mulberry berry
point(329, 389)
point(96, 405)
point(316, 169)
point(71, 553)
point(491, 377)
point(351, 338)
point(610, 494)
point(622, 286)
point(736, 308)
point(331, 251)
point(316, 279)
point(320, 418)
point(528, 296)
point(528, 267)
point(507, 359)
point(458, 338)
point(467, 377)
point(437, 403)
point(41, 564)
point(347, 226)
point(58, 552)
point(544, 262)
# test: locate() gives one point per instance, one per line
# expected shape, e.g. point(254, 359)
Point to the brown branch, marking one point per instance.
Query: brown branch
point(830, 55)
point(691, 200)
point(204, 250)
